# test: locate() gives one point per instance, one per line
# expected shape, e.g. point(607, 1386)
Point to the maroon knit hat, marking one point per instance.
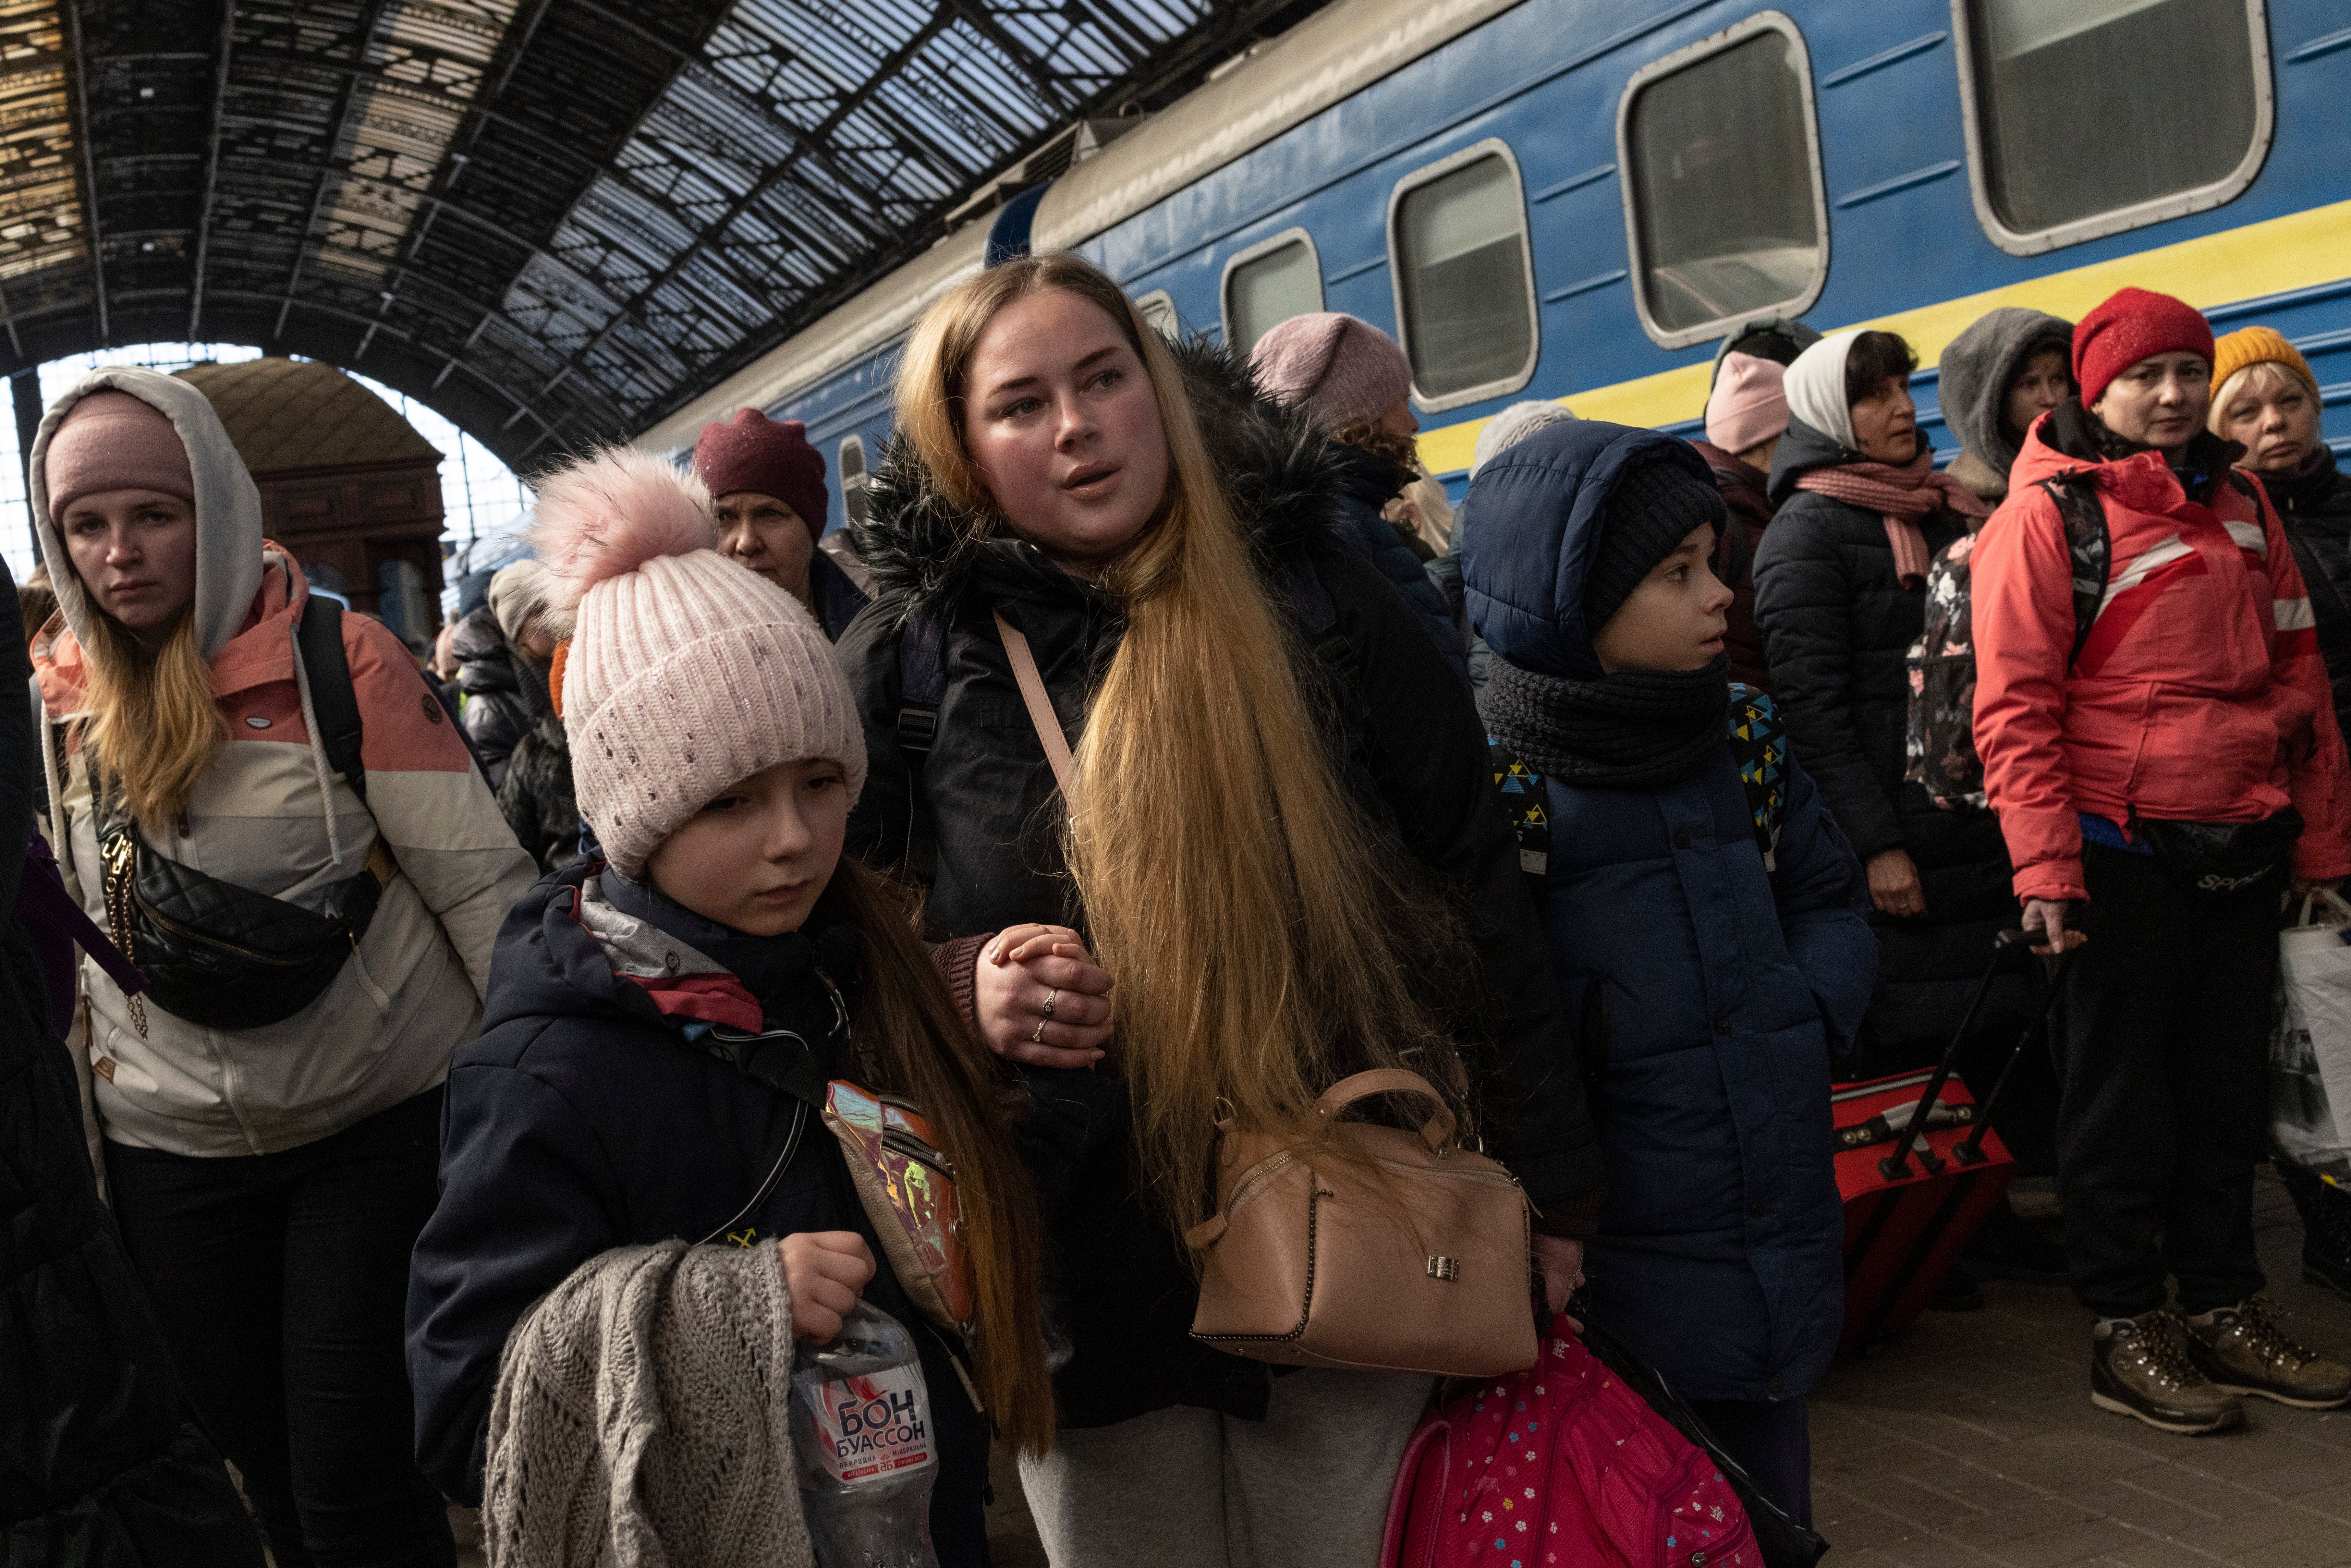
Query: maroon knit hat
point(2133, 325)
point(752, 452)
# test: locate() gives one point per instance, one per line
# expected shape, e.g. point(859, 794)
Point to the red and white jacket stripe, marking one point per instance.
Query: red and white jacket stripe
point(2199, 696)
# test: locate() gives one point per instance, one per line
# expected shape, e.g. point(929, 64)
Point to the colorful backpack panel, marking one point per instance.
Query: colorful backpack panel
point(1561, 1465)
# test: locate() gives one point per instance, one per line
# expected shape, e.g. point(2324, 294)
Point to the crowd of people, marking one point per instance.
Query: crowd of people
point(448, 1098)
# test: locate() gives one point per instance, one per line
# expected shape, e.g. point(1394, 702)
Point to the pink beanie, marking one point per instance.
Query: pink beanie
point(1343, 369)
point(113, 440)
point(687, 672)
point(1748, 405)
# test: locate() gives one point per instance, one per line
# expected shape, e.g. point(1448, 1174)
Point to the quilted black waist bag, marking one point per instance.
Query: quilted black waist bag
point(224, 957)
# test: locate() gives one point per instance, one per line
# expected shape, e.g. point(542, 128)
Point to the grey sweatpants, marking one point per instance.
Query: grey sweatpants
point(1192, 1488)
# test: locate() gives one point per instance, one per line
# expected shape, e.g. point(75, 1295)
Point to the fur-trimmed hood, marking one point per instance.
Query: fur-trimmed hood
point(1281, 475)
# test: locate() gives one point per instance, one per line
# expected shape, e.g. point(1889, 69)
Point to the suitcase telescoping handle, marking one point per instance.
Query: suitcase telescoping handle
point(1895, 1166)
point(1969, 1151)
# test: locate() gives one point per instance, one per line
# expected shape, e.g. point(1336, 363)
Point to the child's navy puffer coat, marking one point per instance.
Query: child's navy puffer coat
point(1715, 989)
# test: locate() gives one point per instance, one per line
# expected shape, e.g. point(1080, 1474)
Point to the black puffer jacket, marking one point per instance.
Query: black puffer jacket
point(497, 714)
point(1837, 630)
point(536, 796)
point(1416, 762)
point(2315, 507)
point(1365, 482)
point(102, 1465)
point(582, 1118)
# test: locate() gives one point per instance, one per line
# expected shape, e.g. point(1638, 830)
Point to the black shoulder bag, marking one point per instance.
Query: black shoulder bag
point(224, 956)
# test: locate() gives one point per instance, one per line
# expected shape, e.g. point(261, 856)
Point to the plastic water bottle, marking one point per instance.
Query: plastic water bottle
point(868, 1455)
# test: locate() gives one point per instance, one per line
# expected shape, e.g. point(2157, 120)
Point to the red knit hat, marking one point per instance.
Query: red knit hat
point(752, 452)
point(2131, 325)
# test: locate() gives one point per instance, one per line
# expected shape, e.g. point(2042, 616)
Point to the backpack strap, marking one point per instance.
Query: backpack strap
point(1760, 744)
point(2089, 544)
point(319, 638)
point(922, 687)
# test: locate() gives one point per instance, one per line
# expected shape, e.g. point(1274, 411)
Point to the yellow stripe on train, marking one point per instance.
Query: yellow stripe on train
point(2301, 250)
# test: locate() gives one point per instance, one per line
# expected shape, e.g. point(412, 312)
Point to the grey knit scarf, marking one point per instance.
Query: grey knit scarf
point(1631, 728)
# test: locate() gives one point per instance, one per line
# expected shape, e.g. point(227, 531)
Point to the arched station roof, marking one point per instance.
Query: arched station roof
point(554, 221)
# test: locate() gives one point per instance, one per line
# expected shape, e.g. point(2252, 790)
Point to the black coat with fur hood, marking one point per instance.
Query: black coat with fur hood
point(1413, 752)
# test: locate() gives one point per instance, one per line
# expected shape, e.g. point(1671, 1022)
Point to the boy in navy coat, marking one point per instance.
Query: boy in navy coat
point(1713, 970)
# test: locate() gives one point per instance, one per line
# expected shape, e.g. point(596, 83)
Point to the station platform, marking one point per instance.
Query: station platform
point(1970, 1442)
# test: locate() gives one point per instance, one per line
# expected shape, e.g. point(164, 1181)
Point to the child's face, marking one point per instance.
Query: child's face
point(1675, 620)
point(757, 857)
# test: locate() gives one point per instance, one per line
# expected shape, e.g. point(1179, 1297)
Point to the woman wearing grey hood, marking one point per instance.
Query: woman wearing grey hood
point(1998, 376)
point(270, 813)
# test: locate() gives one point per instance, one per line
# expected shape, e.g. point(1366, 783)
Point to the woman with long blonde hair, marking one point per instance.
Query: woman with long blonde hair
point(260, 798)
point(1289, 866)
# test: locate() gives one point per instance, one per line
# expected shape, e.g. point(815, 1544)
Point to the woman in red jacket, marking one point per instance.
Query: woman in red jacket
point(2163, 758)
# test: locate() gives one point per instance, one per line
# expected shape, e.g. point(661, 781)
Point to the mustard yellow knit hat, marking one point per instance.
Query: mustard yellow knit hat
point(2254, 346)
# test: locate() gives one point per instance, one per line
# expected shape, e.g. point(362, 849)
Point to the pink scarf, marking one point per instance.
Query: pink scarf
point(1902, 494)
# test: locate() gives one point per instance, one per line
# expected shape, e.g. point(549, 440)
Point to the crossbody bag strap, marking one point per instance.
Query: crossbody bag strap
point(1040, 711)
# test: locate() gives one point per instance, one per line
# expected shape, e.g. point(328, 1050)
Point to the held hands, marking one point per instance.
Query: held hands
point(824, 1271)
point(1041, 999)
point(1894, 885)
point(1563, 1271)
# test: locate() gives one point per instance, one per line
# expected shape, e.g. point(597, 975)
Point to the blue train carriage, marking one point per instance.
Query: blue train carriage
point(1577, 199)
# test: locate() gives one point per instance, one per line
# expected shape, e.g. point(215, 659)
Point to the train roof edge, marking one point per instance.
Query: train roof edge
point(1328, 57)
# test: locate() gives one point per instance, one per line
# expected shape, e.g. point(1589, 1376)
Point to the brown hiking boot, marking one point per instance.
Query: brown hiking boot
point(2242, 1350)
point(2139, 1366)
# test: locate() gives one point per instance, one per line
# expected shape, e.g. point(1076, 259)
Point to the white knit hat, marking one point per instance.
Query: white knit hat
point(1512, 425)
point(687, 672)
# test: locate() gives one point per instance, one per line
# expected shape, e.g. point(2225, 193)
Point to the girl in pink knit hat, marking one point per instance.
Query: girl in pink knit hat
point(670, 1026)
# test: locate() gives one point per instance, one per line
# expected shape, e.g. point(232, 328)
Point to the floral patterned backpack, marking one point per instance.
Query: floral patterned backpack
point(1562, 1463)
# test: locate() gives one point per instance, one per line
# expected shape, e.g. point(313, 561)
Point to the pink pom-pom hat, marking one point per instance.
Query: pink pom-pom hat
point(687, 672)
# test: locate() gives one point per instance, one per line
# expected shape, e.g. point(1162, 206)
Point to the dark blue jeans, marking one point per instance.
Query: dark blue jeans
point(281, 1281)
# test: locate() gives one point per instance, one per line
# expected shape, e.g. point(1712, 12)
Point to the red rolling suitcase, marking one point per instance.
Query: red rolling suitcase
point(1912, 1201)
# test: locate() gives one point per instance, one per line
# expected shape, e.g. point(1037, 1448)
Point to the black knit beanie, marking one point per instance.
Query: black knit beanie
point(1652, 510)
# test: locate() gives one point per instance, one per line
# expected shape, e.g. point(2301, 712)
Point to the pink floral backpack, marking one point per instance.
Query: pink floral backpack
point(1559, 1465)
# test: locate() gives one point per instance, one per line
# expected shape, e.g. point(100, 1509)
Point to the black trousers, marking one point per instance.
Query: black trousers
point(2162, 1034)
point(1772, 1441)
point(281, 1281)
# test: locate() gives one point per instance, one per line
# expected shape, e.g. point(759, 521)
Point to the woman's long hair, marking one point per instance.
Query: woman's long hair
point(1228, 882)
point(154, 723)
point(923, 1048)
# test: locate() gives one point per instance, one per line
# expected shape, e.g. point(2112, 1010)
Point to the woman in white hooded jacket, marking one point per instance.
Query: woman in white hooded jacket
point(316, 937)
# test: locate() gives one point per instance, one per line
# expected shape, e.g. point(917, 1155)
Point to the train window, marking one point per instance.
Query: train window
point(1465, 285)
point(2078, 115)
point(1158, 308)
point(1723, 208)
point(852, 478)
point(1268, 284)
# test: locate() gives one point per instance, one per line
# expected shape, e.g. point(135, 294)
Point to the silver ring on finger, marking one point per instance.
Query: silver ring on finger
point(1038, 1038)
point(1052, 1000)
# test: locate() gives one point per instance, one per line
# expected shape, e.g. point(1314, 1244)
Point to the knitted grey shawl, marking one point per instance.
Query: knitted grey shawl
point(641, 1418)
point(1974, 375)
